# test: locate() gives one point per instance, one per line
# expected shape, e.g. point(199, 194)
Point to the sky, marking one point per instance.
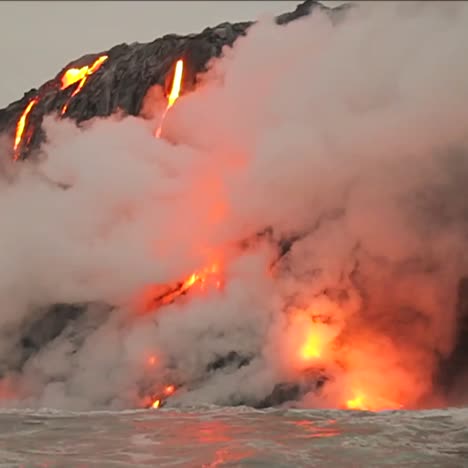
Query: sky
point(40, 37)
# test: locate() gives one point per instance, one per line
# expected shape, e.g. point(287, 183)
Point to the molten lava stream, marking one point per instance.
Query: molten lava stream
point(74, 75)
point(21, 125)
point(152, 298)
point(157, 401)
point(174, 93)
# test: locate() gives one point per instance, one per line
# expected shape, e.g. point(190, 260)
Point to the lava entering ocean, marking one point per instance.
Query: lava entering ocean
point(299, 239)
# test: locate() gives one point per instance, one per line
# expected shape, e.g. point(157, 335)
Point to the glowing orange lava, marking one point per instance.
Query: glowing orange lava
point(202, 277)
point(157, 399)
point(356, 403)
point(20, 126)
point(169, 390)
point(309, 338)
point(174, 93)
point(312, 348)
point(176, 83)
point(74, 75)
point(156, 296)
point(364, 402)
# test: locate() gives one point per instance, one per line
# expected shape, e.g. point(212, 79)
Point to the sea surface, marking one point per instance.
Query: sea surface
point(231, 437)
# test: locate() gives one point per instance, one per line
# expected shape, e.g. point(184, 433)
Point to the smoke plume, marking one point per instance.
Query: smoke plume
point(348, 138)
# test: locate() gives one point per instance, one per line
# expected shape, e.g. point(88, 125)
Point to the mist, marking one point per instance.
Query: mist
point(350, 138)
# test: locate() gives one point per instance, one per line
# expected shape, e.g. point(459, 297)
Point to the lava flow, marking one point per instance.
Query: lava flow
point(311, 349)
point(74, 75)
point(21, 125)
point(310, 338)
point(156, 402)
point(366, 403)
point(174, 93)
point(154, 296)
point(70, 77)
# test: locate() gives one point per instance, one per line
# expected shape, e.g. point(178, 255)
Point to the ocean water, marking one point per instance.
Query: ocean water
point(234, 437)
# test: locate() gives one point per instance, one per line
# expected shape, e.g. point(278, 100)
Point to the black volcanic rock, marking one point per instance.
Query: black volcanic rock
point(122, 82)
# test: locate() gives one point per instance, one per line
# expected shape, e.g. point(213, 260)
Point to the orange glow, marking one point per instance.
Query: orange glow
point(152, 360)
point(310, 340)
point(174, 93)
point(312, 348)
point(156, 296)
point(375, 379)
point(365, 402)
point(74, 75)
point(20, 126)
point(157, 399)
point(201, 277)
point(8, 389)
point(176, 83)
point(169, 390)
point(356, 403)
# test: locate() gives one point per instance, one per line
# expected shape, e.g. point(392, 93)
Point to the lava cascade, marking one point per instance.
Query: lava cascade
point(173, 94)
point(80, 75)
point(21, 126)
point(69, 78)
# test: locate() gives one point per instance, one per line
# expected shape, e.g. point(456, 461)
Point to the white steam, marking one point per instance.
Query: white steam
point(352, 135)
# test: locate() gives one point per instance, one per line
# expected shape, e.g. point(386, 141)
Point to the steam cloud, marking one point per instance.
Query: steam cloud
point(352, 137)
